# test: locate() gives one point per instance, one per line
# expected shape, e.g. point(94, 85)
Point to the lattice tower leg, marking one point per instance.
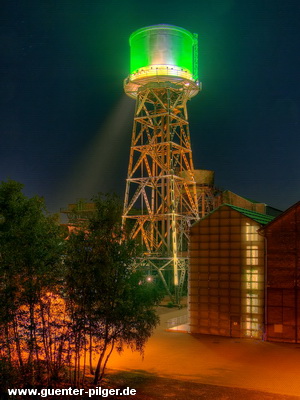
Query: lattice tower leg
point(161, 198)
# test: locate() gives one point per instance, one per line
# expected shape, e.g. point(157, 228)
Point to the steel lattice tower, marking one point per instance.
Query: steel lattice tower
point(161, 198)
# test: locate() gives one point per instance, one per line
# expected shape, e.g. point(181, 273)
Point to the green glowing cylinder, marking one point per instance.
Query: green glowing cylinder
point(163, 50)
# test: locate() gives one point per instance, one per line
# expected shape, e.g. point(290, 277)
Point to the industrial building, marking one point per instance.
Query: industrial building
point(226, 278)
point(164, 193)
point(168, 203)
point(283, 277)
point(244, 274)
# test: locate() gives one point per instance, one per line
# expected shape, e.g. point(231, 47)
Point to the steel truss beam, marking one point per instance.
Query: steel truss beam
point(161, 197)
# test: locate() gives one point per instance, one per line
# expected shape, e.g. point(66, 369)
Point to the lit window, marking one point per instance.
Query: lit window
point(251, 232)
point(252, 279)
point(251, 327)
point(252, 303)
point(252, 255)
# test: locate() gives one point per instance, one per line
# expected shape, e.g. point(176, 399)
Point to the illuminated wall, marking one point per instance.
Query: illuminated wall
point(226, 277)
point(283, 277)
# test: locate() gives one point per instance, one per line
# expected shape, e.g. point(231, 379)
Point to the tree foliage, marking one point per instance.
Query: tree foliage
point(112, 306)
point(30, 269)
point(67, 302)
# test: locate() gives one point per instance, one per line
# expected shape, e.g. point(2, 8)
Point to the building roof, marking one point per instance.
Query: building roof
point(279, 217)
point(262, 219)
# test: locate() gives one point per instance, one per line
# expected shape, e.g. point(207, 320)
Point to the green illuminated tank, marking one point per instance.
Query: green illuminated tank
point(161, 50)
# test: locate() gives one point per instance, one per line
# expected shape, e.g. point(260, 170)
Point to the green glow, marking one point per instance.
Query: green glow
point(160, 48)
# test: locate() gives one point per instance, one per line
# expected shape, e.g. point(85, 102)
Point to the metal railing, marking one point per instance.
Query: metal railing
point(177, 321)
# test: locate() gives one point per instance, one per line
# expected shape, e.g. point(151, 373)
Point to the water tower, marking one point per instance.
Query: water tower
point(161, 198)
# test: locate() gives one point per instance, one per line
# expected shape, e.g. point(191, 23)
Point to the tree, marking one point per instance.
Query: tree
point(63, 300)
point(110, 303)
point(30, 273)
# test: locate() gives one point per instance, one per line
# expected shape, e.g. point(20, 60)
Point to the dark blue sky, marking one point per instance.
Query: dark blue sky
point(65, 124)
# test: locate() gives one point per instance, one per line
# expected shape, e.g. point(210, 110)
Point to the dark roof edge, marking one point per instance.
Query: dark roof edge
point(279, 216)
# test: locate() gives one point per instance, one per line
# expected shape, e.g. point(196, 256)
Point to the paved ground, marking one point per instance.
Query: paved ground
point(212, 360)
point(150, 387)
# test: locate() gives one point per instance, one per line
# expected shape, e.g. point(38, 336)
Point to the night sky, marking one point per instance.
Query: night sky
point(66, 123)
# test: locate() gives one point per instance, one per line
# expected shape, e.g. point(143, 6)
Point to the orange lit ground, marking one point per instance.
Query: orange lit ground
point(211, 360)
